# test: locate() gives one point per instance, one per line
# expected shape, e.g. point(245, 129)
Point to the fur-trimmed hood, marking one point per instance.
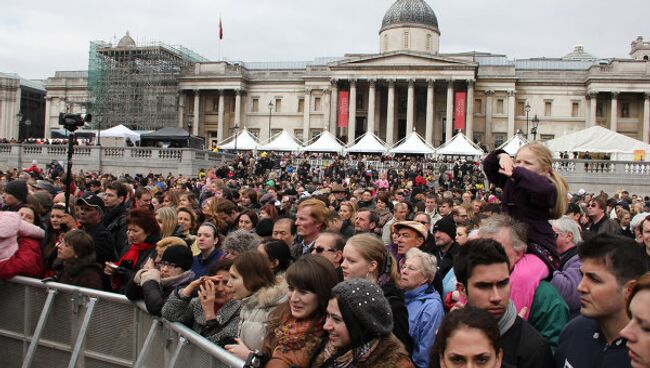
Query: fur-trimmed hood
point(267, 297)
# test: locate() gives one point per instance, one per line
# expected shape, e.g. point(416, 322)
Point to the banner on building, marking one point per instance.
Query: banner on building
point(344, 98)
point(460, 110)
point(639, 155)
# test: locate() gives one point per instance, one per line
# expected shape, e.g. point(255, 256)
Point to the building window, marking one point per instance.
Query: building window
point(599, 110)
point(575, 109)
point(275, 132)
point(499, 139)
point(301, 105)
point(255, 132)
point(313, 133)
point(298, 134)
point(521, 108)
point(625, 109)
point(359, 101)
point(317, 104)
point(500, 106)
point(429, 42)
point(548, 108)
point(478, 137)
point(478, 106)
point(255, 105)
point(406, 39)
point(278, 105)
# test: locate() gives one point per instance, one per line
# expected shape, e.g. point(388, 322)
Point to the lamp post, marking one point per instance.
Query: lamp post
point(535, 125)
point(28, 124)
point(527, 109)
point(236, 135)
point(189, 133)
point(19, 118)
point(270, 112)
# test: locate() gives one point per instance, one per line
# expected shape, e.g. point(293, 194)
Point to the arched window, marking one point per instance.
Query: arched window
point(429, 42)
point(406, 39)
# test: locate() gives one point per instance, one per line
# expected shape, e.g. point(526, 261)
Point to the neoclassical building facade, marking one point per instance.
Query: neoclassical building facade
point(409, 85)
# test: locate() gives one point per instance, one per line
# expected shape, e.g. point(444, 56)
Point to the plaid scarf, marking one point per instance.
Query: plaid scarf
point(350, 358)
point(292, 332)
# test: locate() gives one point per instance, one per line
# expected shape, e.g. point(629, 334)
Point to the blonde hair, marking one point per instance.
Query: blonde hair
point(371, 248)
point(545, 157)
point(169, 220)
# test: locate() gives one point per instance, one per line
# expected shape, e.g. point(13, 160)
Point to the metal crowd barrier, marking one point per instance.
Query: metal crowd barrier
point(58, 325)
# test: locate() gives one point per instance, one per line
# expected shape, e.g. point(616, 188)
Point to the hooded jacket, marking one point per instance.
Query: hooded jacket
point(255, 311)
point(425, 315)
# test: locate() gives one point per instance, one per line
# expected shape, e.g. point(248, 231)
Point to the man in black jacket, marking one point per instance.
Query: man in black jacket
point(115, 216)
point(483, 272)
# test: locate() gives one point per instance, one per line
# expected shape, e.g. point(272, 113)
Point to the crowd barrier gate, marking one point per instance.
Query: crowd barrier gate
point(56, 325)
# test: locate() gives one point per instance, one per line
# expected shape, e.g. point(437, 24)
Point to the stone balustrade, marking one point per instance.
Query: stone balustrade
point(115, 160)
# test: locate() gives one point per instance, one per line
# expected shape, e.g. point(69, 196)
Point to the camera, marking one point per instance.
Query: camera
point(72, 122)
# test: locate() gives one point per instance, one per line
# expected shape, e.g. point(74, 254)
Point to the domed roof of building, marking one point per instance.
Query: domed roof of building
point(126, 41)
point(579, 53)
point(410, 13)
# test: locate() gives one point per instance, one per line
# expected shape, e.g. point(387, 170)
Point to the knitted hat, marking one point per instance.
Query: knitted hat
point(368, 305)
point(18, 189)
point(179, 255)
point(447, 226)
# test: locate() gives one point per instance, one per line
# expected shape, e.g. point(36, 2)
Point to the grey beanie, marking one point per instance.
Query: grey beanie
point(241, 241)
point(367, 303)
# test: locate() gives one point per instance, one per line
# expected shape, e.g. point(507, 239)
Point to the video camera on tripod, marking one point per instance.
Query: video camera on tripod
point(72, 122)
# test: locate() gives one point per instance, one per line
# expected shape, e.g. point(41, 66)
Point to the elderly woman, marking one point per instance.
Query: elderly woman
point(422, 301)
point(238, 242)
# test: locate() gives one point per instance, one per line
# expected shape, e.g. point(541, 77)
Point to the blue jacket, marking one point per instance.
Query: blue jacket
point(202, 267)
point(425, 314)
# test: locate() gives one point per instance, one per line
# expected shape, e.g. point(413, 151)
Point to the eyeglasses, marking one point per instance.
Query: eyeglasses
point(319, 250)
point(424, 222)
point(167, 264)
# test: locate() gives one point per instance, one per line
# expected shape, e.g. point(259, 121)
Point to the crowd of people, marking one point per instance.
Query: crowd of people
point(288, 265)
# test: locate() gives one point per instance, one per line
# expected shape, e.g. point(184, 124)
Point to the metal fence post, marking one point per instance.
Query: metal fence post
point(27, 362)
point(147, 344)
point(76, 351)
point(182, 341)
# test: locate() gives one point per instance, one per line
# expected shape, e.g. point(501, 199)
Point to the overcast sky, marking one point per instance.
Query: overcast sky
point(39, 37)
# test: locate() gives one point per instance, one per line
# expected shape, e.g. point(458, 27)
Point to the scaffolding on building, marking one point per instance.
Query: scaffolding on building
point(136, 85)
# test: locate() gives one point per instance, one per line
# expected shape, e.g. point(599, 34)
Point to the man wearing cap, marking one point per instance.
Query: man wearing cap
point(44, 186)
point(410, 234)
point(91, 211)
point(14, 195)
point(444, 233)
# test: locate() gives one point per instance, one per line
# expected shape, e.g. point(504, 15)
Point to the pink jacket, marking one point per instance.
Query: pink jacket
point(11, 227)
point(524, 279)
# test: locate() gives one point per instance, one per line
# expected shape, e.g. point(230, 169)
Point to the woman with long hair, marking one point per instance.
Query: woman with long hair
point(253, 283)
point(278, 254)
point(247, 220)
point(359, 324)
point(364, 256)
point(295, 328)
point(167, 220)
point(54, 232)
point(79, 267)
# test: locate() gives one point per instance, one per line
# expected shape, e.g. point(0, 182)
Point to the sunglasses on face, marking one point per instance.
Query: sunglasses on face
point(320, 250)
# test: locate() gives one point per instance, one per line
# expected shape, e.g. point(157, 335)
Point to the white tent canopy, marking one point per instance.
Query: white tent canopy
point(244, 141)
point(601, 140)
point(368, 143)
point(413, 145)
point(326, 142)
point(282, 142)
point(459, 145)
point(512, 145)
point(120, 131)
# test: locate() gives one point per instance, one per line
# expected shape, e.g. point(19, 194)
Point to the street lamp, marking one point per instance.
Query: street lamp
point(236, 127)
point(28, 124)
point(189, 133)
point(535, 125)
point(270, 111)
point(527, 109)
point(19, 118)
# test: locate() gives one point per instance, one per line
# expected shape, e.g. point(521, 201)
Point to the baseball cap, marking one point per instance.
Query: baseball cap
point(91, 200)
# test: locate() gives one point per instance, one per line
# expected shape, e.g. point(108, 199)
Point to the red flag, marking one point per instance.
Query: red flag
point(343, 109)
point(460, 110)
point(220, 29)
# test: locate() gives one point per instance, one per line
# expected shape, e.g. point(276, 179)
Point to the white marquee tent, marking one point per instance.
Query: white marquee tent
point(512, 145)
point(282, 142)
point(459, 145)
point(368, 143)
point(601, 140)
point(118, 135)
point(326, 142)
point(413, 145)
point(244, 141)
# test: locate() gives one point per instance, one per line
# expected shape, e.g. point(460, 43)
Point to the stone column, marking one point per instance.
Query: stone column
point(646, 117)
point(4, 128)
point(469, 117)
point(220, 118)
point(428, 135)
point(511, 113)
point(390, 113)
point(449, 127)
point(488, 116)
point(181, 108)
point(48, 111)
point(371, 105)
point(334, 107)
point(593, 98)
point(326, 103)
point(197, 112)
point(410, 107)
point(238, 93)
point(306, 110)
point(614, 113)
point(352, 108)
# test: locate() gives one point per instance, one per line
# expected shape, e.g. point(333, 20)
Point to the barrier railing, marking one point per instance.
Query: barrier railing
point(58, 325)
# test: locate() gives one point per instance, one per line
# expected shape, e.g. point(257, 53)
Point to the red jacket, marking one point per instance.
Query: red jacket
point(25, 262)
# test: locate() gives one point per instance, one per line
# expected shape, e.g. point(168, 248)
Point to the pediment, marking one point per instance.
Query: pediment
point(403, 59)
